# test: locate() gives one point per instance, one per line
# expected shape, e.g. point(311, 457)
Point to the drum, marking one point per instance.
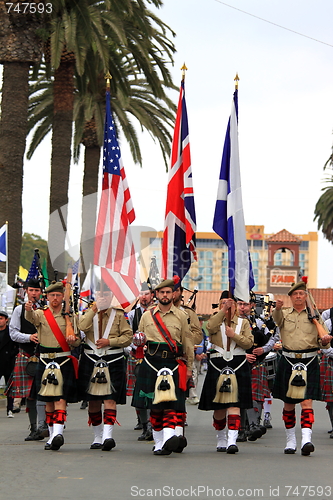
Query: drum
point(270, 363)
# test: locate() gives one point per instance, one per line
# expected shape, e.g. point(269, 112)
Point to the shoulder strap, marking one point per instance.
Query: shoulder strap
point(164, 331)
point(56, 330)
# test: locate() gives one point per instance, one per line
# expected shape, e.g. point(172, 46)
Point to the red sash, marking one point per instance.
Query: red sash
point(173, 348)
point(61, 339)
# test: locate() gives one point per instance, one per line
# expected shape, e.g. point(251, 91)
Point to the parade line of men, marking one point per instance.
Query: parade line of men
point(161, 336)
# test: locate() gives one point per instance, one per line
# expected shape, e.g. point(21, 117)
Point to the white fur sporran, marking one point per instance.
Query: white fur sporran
point(52, 380)
point(164, 387)
point(297, 382)
point(100, 382)
point(226, 387)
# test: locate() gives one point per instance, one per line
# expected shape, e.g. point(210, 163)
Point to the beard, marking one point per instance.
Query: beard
point(165, 301)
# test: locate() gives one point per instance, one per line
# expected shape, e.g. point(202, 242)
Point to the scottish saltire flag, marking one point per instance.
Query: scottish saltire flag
point(3, 243)
point(178, 247)
point(33, 271)
point(229, 218)
point(114, 250)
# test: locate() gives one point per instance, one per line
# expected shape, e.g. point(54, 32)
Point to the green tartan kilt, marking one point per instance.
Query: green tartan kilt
point(283, 373)
point(145, 385)
point(243, 376)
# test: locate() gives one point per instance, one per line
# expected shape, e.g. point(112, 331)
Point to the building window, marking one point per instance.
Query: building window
point(304, 245)
point(257, 243)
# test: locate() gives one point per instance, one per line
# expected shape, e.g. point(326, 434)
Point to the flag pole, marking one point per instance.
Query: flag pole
point(236, 80)
point(183, 69)
point(6, 255)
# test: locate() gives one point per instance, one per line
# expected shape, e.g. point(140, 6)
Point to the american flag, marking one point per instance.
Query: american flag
point(33, 271)
point(114, 250)
point(229, 217)
point(178, 248)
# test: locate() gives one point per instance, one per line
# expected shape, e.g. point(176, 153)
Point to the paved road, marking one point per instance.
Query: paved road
point(259, 470)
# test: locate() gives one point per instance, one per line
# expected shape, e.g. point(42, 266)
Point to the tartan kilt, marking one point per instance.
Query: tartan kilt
point(260, 389)
point(20, 383)
point(243, 376)
point(69, 393)
point(145, 383)
point(282, 376)
point(117, 372)
point(326, 378)
point(130, 377)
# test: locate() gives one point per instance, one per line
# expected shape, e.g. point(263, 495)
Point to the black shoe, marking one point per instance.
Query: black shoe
point(232, 449)
point(182, 444)
point(307, 448)
point(289, 451)
point(171, 444)
point(138, 427)
point(108, 444)
point(221, 449)
point(16, 410)
point(241, 438)
point(84, 405)
point(57, 442)
point(162, 452)
point(96, 446)
point(254, 433)
point(43, 431)
point(263, 429)
point(34, 434)
point(47, 446)
point(142, 437)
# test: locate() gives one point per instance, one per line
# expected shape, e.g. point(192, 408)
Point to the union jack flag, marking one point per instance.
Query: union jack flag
point(114, 250)
point(178, 248)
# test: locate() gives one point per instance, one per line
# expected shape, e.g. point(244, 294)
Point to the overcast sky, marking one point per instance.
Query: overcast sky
point(285, 117)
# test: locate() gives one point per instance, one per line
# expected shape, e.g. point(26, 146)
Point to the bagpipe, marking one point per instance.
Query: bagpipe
point(314, 315)
point(262, 311)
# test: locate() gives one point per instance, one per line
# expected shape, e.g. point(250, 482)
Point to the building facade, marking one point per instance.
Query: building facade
point(210, 272)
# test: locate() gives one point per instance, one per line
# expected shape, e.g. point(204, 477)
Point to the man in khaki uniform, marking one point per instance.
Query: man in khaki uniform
point(300, 343)
point(102, 373)
point(232, 358)
point(50, 322)
point(169, 354)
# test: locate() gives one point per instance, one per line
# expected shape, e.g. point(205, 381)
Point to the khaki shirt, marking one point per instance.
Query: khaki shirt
point(194, 324)
point(45, 335)
point(244, 339)
point(176, 322)
point(121, 333)
point(296, 330)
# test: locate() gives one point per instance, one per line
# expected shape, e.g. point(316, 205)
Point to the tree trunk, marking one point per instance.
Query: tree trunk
point(13, 130)
point(89, 205)
point(60, 165)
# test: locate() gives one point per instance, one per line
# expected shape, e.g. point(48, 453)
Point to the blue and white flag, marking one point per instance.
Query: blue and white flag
point(229, 217)
point(3, 243)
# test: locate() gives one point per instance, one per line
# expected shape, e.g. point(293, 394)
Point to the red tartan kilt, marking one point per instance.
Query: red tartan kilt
point(260, 389)
point(20, 383)
point(326, 378)
point(130, 377)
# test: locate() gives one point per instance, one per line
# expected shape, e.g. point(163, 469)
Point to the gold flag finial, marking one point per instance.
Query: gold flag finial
point(108, 78)
point(236, 80)
point(184, 69)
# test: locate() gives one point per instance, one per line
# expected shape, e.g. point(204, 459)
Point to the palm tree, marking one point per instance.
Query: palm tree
point(324, 208)
point(136, 99)
point(20, 47)
point(79, 30)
